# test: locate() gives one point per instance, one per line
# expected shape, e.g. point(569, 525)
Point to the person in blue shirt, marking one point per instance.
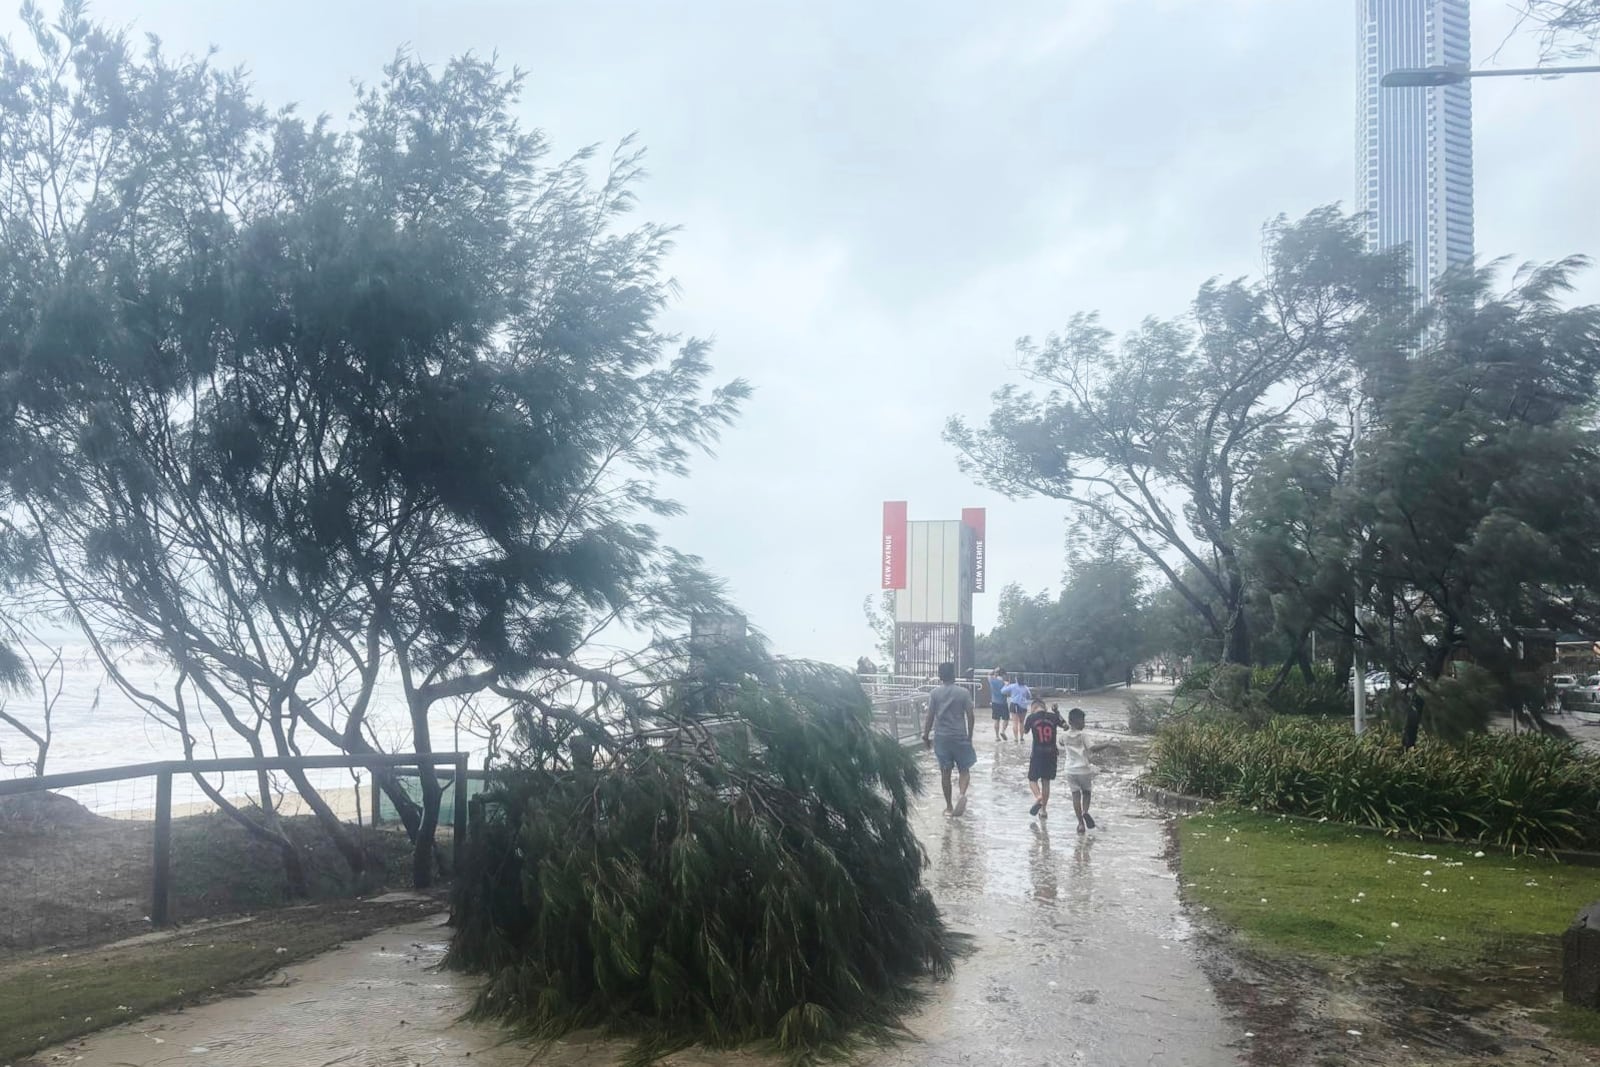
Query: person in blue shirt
point(997, 703)
point(1018, 696)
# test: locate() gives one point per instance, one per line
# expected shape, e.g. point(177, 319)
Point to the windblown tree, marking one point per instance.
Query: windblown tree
point(1156, 437)
point(1475, 495)
point(306, 409)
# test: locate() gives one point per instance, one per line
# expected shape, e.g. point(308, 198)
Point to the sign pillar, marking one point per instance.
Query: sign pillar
point(894, 544)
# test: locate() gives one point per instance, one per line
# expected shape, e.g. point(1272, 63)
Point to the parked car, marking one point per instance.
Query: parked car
point(1563, 682)
point(1584, 696)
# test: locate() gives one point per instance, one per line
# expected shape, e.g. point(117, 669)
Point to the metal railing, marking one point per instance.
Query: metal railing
point(1046, 681)
point(894, 684)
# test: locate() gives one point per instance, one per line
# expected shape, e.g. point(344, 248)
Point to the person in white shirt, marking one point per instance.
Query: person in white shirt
point(1075, 748)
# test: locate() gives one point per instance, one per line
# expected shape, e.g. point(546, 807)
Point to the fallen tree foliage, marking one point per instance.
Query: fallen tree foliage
point(755, 880)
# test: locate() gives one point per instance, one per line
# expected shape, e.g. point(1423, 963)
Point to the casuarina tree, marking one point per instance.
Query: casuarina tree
point(312, 408)
point(1467, 519)
point(1155, 437)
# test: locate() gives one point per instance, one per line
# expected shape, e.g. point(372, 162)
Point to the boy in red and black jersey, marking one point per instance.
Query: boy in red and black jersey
point(1043, 727)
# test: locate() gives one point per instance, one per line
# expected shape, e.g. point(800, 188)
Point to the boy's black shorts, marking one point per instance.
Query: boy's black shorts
point(1042, 766)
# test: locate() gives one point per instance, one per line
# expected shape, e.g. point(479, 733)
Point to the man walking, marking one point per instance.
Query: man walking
point(950, 722)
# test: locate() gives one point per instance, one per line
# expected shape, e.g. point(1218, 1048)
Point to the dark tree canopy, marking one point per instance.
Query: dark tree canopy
point(1475, 495)
point(1155, 438)
point(1457, 526)
point(301, 405)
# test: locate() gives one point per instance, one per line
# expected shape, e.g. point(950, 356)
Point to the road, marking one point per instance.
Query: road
point(1082, 956)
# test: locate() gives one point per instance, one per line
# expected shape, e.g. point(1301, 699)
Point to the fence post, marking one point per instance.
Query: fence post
point(161, 875)
point(376, 794)
point(459, 831)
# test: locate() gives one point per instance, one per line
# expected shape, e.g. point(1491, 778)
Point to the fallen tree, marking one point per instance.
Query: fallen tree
point(752, 880)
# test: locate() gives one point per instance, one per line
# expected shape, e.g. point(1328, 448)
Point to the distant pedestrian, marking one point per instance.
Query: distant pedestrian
point(1018, 697)
point(950, 722)
point(997, 703)
point(1043, 727)
point(1080, 772)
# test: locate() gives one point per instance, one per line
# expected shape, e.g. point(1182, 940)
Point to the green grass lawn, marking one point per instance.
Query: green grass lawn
point(1330, 891)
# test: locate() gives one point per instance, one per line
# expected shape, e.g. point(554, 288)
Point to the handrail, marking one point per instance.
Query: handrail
point(16, 786)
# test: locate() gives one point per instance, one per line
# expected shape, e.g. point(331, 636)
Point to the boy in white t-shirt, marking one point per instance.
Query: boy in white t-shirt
point(1080, 772)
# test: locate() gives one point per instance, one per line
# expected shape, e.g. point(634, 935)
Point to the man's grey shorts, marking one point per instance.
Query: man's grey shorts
point(954, 752)
point(1081, 783)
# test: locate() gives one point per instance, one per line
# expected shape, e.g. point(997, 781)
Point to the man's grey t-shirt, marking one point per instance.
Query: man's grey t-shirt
point(950, 705)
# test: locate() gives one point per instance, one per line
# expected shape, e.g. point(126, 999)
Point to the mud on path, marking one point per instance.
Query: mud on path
point(1302, 1012)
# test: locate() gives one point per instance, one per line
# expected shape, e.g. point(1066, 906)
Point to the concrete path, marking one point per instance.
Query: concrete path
point(1082, 957)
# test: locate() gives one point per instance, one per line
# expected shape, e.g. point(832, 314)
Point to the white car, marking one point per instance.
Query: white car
point(1377, 681)
point(1563, 682)
point(1584, 696)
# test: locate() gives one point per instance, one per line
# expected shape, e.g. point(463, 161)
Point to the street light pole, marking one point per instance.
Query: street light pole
point(1358, 675)
point(1428, 77)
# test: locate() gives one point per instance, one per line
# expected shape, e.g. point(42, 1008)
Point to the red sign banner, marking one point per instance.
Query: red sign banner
point(978, 520)
point(894, 544)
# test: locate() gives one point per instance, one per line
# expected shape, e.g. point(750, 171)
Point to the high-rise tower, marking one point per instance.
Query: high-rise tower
point(1415, 152)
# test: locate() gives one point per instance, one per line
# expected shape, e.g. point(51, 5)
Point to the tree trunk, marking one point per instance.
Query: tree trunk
point(422, 865)
point(355, 856)
point(294, 867)
point(1236, 640)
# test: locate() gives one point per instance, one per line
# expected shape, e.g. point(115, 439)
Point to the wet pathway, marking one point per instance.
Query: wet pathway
point(1082, 957)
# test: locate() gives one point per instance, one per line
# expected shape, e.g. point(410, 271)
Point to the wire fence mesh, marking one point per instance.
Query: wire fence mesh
point(76, 867)
point(81, 864)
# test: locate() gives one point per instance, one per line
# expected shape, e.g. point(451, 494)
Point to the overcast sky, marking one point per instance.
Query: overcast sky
point(877, 198)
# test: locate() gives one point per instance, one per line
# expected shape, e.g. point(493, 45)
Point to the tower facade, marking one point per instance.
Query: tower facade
point(1414, 158)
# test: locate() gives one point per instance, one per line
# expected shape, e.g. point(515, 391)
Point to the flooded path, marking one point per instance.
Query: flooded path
point(1082, 956)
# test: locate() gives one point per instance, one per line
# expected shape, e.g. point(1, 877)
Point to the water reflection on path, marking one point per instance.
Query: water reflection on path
point(1082, 952)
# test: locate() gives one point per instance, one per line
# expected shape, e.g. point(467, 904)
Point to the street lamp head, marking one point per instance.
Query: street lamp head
point(1417, 77)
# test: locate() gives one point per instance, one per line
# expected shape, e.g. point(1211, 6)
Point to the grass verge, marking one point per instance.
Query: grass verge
point(1574, 1024)
point(49, 998)
point(1330, 891)
point(1447, 917)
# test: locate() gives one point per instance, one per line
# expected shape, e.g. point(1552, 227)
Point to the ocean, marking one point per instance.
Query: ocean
point(95, 725)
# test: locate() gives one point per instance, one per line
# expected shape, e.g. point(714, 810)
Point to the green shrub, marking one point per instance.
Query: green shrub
point(1325, 694)
point(1249, 691)
point(1197, 680)
point(1525, 792)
